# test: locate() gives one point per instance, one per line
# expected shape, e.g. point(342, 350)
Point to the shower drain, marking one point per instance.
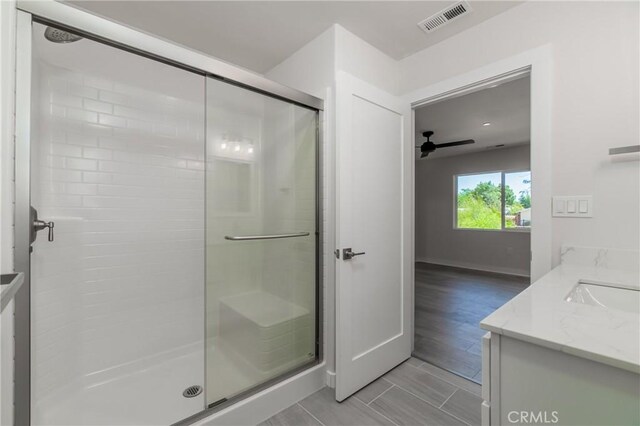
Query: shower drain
point(192, 391)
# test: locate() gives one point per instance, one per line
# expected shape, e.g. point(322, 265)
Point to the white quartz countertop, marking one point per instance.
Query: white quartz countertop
point(541, 315)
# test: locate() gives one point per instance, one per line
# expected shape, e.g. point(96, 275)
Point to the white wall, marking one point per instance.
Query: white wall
point(361, 60)
point(436, 239)
point(595, 102)
point(310, 69)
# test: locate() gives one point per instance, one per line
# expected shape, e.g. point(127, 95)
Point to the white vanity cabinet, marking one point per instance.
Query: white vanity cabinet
point(9, 286)
point(525, 383)
point(6, 364)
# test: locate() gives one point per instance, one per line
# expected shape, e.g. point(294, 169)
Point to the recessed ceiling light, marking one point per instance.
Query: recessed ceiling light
point(486, 124)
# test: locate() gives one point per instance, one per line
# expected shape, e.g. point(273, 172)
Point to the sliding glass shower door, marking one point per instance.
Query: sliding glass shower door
point(261, 239)
point(180, 266)
point(117, 164)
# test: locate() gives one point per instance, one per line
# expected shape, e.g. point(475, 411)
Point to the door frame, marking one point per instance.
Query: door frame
point(22, 254)
point(537, 63)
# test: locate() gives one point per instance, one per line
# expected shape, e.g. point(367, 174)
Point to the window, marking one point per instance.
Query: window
point(498, 201)
point(517, 200)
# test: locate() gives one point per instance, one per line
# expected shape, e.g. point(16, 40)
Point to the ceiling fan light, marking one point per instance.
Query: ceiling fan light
point(486, 123)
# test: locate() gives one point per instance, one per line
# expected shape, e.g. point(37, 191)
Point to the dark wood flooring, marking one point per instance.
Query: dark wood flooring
point(450, 303)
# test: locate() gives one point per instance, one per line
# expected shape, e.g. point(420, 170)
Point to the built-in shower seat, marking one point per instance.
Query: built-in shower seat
point(265, 330)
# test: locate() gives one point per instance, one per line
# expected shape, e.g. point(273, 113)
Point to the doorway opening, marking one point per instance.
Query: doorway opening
point(472, 217)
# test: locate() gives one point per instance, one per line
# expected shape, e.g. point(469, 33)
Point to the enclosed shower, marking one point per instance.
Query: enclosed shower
point(180, 269)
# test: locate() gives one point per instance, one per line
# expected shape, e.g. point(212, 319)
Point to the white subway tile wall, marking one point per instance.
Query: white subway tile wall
point(120, 170)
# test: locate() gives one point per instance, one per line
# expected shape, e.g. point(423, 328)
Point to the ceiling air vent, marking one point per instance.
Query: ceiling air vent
point(445, 16)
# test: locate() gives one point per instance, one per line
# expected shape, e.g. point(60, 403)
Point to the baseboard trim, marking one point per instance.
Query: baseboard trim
point(265, 404)
point(331, 379)
point(463, 265)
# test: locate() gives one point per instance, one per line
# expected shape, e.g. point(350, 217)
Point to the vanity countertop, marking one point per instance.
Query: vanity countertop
point(541, 315)
point(10, 285)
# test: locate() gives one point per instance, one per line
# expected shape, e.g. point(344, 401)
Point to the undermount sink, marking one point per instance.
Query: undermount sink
point(606, 296)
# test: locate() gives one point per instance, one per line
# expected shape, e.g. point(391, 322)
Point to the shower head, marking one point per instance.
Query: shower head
point(59, 36)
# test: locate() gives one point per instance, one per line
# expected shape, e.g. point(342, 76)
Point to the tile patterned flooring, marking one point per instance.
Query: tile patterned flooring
point(450, 302)
point(414, 393)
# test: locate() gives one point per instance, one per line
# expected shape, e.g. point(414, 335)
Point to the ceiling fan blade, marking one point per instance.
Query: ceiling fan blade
point(448, 144)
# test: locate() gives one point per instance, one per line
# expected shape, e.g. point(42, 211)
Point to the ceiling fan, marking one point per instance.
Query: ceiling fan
point(428, 147)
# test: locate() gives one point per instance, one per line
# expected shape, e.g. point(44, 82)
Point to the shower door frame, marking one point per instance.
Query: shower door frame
point(124, 38)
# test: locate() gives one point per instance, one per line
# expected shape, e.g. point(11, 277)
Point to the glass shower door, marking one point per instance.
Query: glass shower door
point(117, 163)
point(260, 239)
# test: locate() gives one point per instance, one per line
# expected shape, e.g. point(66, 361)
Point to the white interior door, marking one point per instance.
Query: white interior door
point(373, 289)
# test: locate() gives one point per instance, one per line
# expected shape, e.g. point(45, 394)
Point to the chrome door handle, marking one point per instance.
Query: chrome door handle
point(38, 225)
point(347, 254)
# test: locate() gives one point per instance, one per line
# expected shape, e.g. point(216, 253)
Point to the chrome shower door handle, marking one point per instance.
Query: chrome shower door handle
point(348, 254)
point(265, 237)
point(38, 225)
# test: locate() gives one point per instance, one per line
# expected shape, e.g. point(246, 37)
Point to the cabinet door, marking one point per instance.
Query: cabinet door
point(486, 380)
point(486, 367)
point(485, 413)
point(494, 378)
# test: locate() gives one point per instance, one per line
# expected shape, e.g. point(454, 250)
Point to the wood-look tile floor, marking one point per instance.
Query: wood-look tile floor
point(414, 393)
point(449, 305)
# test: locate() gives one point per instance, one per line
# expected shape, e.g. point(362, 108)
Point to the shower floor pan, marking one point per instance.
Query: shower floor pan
point(149, 396)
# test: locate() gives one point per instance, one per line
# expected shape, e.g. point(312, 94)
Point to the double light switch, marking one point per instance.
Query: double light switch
point(573, 206)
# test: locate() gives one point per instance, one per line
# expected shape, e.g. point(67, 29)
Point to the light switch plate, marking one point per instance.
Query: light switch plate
point(573, 206)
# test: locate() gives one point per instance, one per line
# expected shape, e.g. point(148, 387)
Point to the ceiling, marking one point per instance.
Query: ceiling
point(258, 35)
point(506, 106)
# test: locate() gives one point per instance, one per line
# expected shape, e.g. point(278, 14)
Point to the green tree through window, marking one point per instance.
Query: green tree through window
point(480, 202)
